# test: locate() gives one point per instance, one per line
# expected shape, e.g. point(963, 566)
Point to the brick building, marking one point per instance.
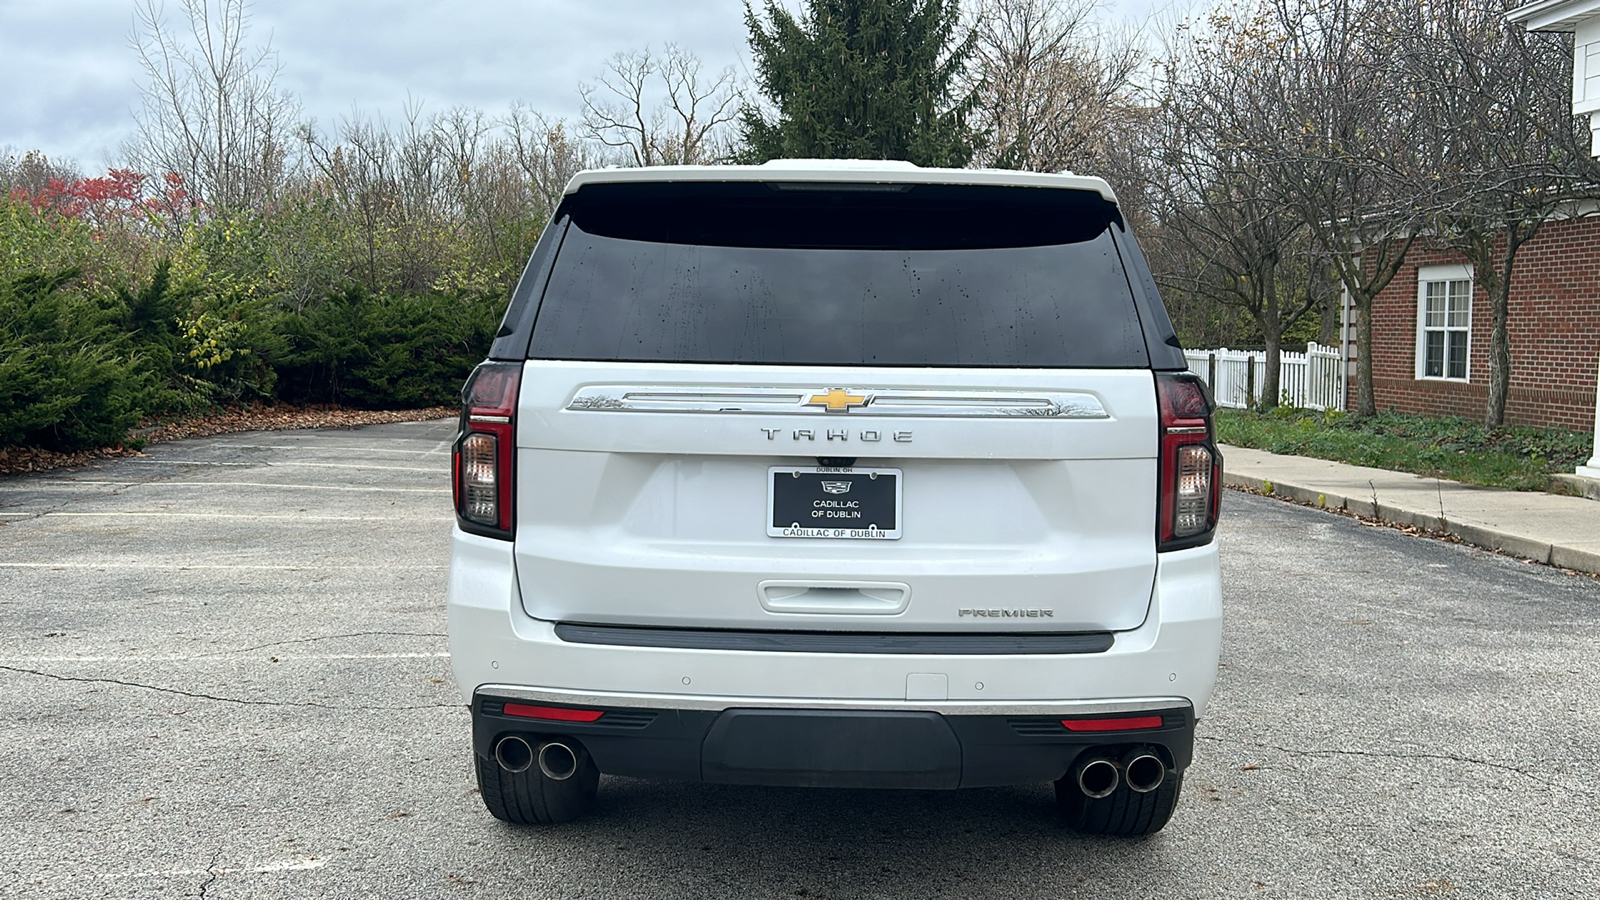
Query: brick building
point(1430, 338)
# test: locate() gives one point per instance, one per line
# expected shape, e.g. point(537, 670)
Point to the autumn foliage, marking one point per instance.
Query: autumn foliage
point(124, 297)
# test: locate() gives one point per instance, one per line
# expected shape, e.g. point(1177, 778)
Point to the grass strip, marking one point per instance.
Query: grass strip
point(1516, 457)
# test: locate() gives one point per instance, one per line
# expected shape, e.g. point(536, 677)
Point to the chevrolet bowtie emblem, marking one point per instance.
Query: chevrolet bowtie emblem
point(837, 400)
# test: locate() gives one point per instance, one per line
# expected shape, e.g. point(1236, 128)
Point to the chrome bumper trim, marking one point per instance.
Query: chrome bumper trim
point(944, 707)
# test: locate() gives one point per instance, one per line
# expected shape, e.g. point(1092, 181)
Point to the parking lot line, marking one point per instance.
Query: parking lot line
point(301, 448)
point(432, 470)
point(299, 865)
point(178, 565)
point(162, 514)
point(213, 657)
point(263, 484)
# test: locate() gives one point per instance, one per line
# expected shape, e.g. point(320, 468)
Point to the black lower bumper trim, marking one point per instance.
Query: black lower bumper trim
point(836, 748)
point(812, 748)
point(941, 644)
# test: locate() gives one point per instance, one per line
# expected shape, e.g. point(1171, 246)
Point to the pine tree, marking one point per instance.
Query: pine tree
point(866, 79)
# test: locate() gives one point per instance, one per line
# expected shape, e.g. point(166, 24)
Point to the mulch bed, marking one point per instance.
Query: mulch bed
point(26, 460)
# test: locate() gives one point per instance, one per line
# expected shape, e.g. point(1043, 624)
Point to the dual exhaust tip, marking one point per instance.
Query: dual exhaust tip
point(1098, 777)
point(1141, 769)
point(556, 760)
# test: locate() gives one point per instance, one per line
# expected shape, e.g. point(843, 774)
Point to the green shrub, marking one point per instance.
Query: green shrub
point(31, 242)
point(1516, 457)
point(296, 303)
point(384, 351)
point(69, 377)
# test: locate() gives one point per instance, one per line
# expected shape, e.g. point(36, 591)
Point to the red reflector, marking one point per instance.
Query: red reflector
point(1130, 724)
point(552, 713)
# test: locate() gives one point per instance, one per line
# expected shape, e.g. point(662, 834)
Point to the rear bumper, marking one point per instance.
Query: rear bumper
point(864, 745)
point(1172, 654)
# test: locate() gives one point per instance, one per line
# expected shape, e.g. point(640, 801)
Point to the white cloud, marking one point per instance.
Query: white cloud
point(71, 78)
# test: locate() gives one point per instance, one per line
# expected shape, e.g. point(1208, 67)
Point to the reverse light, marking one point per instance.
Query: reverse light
point(1193, 509)
point(480, 485)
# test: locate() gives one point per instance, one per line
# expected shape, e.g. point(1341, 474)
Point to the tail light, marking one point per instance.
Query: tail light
point(1190, 495)
point(484, 452)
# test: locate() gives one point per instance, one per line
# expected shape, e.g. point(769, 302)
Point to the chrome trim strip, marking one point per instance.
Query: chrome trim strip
point(491, 420)
point(1187, 429)
point(719, 703)
point(879, 643)
point(792, 401)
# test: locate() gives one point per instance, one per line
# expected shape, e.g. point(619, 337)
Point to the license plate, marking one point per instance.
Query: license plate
point(826, 502)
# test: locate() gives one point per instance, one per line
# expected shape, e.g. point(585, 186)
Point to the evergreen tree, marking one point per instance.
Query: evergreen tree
point(867, 79)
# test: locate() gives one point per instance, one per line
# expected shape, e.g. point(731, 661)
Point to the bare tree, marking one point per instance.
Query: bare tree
point(1327, 110)
point(211, 111)
point(487, 198)
point(546, 153)
point(31, 172)
point(1374, 123)
point(1507, 151)
point(1055, 88)
point(688, 126)
point(437, 202)
point(1233, 238)
point(361, 171)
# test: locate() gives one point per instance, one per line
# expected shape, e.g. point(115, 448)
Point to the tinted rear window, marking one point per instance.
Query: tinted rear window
point(926, 276)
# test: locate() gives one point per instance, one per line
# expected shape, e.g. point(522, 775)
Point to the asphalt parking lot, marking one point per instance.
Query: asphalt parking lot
point(223, 673)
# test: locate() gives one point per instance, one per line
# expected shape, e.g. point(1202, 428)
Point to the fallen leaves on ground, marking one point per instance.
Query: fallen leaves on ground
point(23, 460)
point(278, 417)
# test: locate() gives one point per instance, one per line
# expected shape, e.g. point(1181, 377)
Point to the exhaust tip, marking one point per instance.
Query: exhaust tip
point(557, 761)
point(1098, 778)
point(513, 754)
point(1143, 770)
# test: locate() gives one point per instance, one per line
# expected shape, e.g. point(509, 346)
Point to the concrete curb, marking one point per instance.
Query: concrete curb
point(1476, 535)
point(1578, 485)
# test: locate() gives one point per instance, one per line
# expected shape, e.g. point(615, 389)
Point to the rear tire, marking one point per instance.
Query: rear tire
point(530, 798)
point(1124, 813)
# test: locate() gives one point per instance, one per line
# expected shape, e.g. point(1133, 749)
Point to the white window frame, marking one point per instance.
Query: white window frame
point(1432, 275)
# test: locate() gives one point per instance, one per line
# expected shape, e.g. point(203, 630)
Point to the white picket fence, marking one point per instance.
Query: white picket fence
point(1313, 379)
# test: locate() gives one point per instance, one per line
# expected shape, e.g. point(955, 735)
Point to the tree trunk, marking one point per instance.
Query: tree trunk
point(1366, 403)
point(1271, 321)
point(1499, 288)
point(1271, 377)
point(1478, 247)
point(1328, 327)
point(1499, 356)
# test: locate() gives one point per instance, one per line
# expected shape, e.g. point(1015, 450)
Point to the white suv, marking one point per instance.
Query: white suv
point(836, 474)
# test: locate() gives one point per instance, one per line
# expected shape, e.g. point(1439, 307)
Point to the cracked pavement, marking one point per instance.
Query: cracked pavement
point(223, 673)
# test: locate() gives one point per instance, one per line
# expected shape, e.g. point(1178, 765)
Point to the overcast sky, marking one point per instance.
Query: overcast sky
point(69, 78)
